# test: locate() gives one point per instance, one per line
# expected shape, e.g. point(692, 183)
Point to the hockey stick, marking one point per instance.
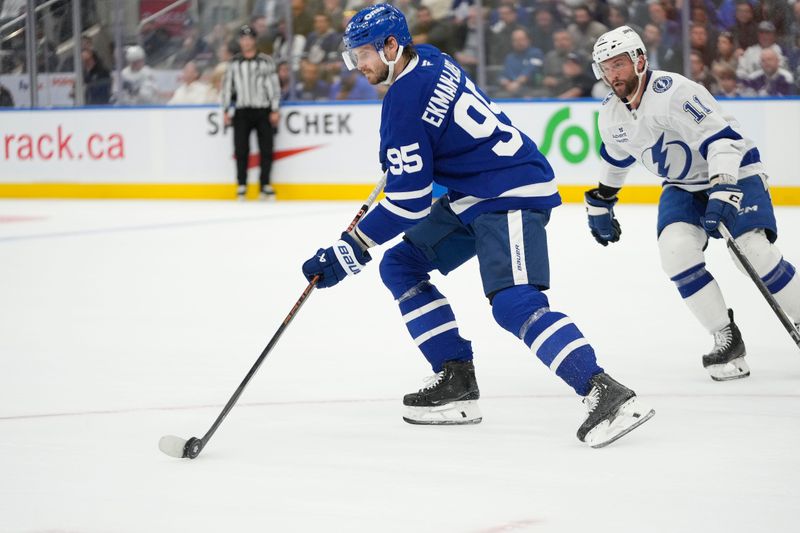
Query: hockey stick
point(787, 323)
point(182, 448)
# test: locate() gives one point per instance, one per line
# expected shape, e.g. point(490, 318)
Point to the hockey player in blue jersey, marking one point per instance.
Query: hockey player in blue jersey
point(436, 124)
point(711, 174)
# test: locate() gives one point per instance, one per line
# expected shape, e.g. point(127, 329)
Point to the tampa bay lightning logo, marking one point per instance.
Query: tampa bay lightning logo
point(607, 98)
point(662, 84)
point(670, 160)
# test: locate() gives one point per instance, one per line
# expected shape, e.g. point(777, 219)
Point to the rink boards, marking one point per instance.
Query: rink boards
point(322, 151)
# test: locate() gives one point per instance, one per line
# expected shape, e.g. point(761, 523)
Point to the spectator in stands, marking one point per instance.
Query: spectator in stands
point(599, 9)
point(555, 58)
point(792, 37)
point(544, 24)
point(311, 86)
point(751, 58)
point(302, 23)
point(639, 12)
point(273, 11)
point(46, 56)
point(282, 50)
point(191, 90)
point(727, 82)
point(322, 45)
point(575, 82)
point(523, 67)
point(96, 79)
point(724, 13)
point(431, 31)
point(284, 80)
point(215, 78)
point(265, 34)
point(225, 52)
point(700, 41)
point(408, 7)
point(775, 11)
point(193, 48)
point(794, 60)
point(726, 52)
point(467, 30)
point(352, 85)
point(771, 79)
point(618, 16)
point(440, 9)
point(745, 31)
point(6, 99)
point(659, 57)
point(156, 41)
point(334, 9)
point(670, 30)
point(585, 30)
point(499, 35)
point(68, 64)
point(138, 84)
point(700, 73)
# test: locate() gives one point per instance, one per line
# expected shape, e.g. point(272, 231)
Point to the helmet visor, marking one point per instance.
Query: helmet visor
point(350, 59)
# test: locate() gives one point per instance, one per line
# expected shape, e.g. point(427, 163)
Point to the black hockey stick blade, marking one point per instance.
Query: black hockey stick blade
point(751, 271)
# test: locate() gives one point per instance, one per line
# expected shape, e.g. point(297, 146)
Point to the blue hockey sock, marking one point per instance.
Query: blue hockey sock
point(779, 277)
point(692, 280)
point(552, 336)
point(432, 325)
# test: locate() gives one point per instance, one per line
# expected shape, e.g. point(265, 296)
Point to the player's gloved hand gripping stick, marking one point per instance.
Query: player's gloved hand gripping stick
point(182, 448)
point(787, 323)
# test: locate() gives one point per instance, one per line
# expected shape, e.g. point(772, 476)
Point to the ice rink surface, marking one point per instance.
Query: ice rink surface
point(124, 321)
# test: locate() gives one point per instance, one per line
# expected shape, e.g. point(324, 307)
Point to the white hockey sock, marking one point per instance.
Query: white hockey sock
point(708, 306)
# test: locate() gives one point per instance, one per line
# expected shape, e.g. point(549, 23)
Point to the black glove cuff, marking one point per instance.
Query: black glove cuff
point(607, 193)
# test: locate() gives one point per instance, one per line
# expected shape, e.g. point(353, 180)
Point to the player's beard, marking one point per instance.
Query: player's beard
point(626, 92)
point(382, 75)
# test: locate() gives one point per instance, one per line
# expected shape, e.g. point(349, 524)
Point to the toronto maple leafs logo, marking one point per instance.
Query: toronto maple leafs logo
point(662, 84)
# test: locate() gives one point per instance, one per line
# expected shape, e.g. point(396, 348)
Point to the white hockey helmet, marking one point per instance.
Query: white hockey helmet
point(622, 40)
point(134, 53)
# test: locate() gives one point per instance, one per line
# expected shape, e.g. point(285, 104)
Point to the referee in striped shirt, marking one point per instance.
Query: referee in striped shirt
point(250, 101)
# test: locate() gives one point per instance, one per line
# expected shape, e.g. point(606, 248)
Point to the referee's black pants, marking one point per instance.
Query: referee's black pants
point(245, 120)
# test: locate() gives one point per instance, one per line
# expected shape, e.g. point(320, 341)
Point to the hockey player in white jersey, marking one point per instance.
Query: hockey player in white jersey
point(712, 174)
point(436, 124)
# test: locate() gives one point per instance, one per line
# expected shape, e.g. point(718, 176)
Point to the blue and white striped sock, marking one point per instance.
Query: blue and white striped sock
point(432, 325)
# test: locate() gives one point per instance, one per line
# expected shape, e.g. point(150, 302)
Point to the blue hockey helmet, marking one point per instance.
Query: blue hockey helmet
point(373, 25)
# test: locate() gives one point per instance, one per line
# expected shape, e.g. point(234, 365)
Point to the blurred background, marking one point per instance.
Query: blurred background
point(733, 47)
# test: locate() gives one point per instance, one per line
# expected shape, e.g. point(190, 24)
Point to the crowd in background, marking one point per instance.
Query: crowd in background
point(531, 48)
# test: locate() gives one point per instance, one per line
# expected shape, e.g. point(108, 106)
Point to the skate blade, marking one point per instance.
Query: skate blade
point(735, 369)
point(628, 417)
point(449, 414)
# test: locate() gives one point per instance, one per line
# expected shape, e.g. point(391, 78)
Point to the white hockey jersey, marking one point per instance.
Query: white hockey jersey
point(679, 132)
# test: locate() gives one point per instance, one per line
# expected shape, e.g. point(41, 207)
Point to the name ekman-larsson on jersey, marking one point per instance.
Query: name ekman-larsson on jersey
point(443, 95)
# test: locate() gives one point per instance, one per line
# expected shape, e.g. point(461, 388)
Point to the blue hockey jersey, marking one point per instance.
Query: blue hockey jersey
point(437, 125)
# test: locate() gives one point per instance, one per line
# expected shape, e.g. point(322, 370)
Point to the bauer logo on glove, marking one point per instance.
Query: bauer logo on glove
point(349, 260)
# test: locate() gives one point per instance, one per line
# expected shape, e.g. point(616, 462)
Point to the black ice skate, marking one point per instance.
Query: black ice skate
point(267, 194)
point(448, 397)
point(614, 410)
point(726, 360)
